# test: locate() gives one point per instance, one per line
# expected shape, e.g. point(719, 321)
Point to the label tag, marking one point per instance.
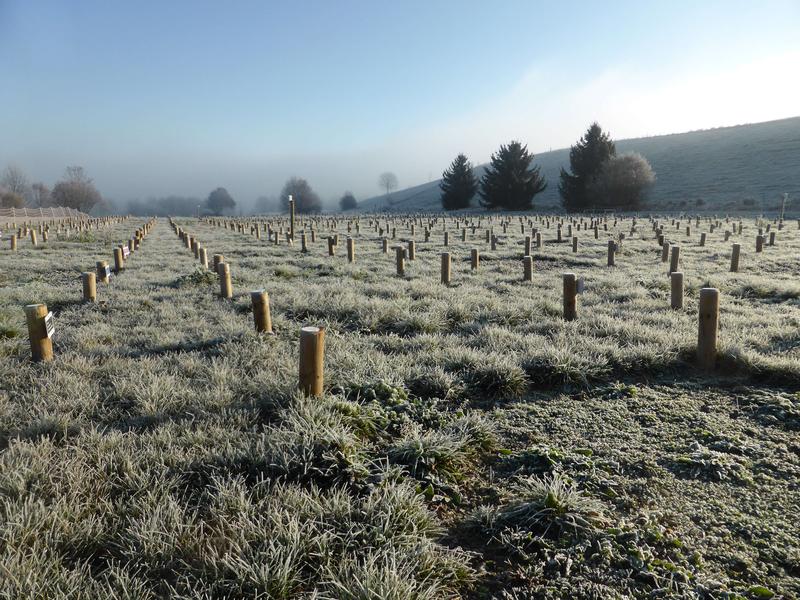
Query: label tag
point(49, 325)
point(581, 287)
point(108, 271)
point(126, 252)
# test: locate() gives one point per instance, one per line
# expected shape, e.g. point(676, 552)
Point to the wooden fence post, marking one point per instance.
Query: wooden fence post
point(708, 313)
point(612, 247)
point(312, 358)
point(13, 242)
point(412, 250)
point(570, 296)
point(351, 250)
point(475, 259)
point(527, 268)
point(261, 313)
point(41, 344)
point(217, 259)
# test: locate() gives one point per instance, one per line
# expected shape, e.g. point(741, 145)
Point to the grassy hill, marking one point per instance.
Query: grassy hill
point(746, 167)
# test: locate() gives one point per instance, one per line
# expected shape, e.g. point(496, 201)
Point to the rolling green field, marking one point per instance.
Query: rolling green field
point(470, 442)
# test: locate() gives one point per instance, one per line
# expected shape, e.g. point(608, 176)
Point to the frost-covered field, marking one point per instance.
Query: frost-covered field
point(470, 443)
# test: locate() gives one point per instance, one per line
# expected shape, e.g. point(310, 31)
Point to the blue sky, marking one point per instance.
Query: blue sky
point(157, 98)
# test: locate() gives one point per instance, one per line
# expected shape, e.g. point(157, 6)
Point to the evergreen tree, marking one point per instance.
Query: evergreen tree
point(510, 182)
point(586, 159)
point(458, 184)
point(348, 201)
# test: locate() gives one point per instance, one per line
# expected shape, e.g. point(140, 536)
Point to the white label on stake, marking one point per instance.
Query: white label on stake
point(126, 252)
point(581, 285)
point(49, 325)
point(108, 271)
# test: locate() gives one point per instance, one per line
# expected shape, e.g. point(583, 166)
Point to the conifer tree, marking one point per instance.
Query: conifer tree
point(510, 182)
point(586, 160)
point(458, 184)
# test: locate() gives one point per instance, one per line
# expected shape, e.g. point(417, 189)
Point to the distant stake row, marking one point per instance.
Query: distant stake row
point(312, 339)
point(40, 321)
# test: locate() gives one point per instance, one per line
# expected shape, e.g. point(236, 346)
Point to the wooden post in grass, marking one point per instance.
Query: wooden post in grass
point(217, 259)
point(33, 237)
point(412, 250)
point(102, 274)
point(331, 246)
point(570, 296)
point(574, 243)
point(446, 238)
point(703, 237)
point(41, 344)
point(204, 258)
point(13, 242)
point(475, 259)
point(400, 258)
point(119, 260)
point(527, 246)
point(446, 268)
point(735, 251)
point(708, 313)
point(351, 250)
point(771, 238)
point(665, 251)
point(674, 258)
point(303, 242)
point(291, 217)
point(89, 286)
point(312, 358)
point(611, 250)
point(261, 314)
point(759, 243)
point(676, 295)
point(527, 268)
point(224, 272)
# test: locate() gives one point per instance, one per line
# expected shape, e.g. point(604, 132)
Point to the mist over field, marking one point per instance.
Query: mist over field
point(399, 301)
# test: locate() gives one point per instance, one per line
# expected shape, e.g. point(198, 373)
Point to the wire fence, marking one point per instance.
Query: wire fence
point(55, 212)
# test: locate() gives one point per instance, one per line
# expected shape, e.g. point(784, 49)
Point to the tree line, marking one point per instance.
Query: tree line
point(75, 190)
point(598, 178)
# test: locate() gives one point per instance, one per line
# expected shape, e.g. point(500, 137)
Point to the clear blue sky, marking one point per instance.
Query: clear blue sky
point(154, 98)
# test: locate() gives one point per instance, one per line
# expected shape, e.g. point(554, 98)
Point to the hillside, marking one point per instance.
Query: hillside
point(746, 167)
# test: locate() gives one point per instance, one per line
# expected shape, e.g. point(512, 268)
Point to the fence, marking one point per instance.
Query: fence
point(55, 212)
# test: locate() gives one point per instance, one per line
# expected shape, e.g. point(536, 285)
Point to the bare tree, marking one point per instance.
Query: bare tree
point(387, 181)
point(15, 181)
point(76, 191)
point(11, 200)
point(40, 195)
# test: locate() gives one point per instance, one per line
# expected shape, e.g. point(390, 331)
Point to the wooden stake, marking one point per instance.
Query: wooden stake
point(527, 268)
point(674, 258)
point(351, 250)
point(400, 259)
point(475, 259)
point(676, 296)
point(119, 260)
point(570, 296)
point(204, 258)
point(41, 345)
point(89, 286)
point(312, 358)
point(735, 251)
point(224, 272)
point(261, 313)
point(612, 247)
point(217, 260)
point(101, 266)
point(708, 313)
point(13, 242)
point(446, 268)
